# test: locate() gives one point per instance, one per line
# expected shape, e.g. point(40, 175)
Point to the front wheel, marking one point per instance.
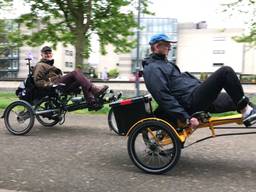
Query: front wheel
point(47, 119)
point(154, 147)
point(19, 117)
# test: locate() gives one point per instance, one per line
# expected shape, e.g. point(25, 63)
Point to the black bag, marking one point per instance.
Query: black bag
point(26, 89)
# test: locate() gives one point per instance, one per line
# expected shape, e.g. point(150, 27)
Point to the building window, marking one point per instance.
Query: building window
point(68, 64)
point(15, 53)
point(15, 64)
point(218, 51)
point(124, 58)
point(218, 64)
point(68, 53)
point(9, 57)
point(219, 38)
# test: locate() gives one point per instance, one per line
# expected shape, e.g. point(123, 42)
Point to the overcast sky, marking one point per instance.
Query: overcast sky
point(183, 10)
point(195, 11)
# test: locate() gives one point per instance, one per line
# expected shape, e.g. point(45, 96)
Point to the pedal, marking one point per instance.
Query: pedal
point(202, 116)
point(249, 123)
point(111, 91)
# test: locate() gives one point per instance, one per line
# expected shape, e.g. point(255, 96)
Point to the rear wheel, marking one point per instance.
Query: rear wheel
point(154, 147)
point(48, 119)
point(19, 117)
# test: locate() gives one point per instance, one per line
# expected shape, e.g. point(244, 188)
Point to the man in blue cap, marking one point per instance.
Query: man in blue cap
point(181, 94)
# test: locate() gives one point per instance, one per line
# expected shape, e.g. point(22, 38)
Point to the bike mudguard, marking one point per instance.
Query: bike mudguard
point(181, 137)
point(18, 101)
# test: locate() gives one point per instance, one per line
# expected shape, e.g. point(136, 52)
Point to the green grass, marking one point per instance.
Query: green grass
point(7, 97)
point(253, 99)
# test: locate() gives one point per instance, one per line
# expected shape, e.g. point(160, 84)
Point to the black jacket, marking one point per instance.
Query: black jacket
point(169, 87)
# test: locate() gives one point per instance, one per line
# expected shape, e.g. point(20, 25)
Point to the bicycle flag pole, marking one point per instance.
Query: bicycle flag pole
point(137, 76)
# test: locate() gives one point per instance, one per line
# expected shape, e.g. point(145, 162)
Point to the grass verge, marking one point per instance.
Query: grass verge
point(7, 97)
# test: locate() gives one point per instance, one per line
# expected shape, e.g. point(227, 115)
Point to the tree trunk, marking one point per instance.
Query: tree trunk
point(79, 46)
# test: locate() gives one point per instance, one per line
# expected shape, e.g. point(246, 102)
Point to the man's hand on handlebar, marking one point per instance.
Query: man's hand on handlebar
point(193, 123)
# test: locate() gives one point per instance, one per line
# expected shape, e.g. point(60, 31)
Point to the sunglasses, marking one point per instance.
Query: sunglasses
point(164, 44)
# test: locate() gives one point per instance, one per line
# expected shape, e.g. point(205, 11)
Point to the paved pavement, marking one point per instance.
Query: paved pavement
point(84, 156)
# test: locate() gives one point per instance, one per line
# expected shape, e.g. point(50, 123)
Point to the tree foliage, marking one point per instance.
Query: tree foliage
point(3, 31)
point(4, 45)
point(74, 21)
point(2, 36)
point(246, 8)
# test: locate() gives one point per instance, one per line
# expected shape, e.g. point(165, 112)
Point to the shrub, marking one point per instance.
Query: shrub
point(113, 73)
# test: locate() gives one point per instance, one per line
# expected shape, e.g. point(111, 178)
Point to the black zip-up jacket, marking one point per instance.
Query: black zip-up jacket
point(169, 87)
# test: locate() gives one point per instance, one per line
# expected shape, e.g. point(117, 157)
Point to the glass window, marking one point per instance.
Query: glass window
point(218, 51)
point(218, 64)
point(15, 53)
point(219, 38)
point(151, 26)
point(15, 64)
point(68, 53)
point(68, 64)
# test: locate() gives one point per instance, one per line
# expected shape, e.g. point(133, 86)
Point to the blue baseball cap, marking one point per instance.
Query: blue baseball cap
point(159, 37)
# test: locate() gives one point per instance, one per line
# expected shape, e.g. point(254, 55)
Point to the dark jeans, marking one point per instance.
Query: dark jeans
point(75, 79)
point(208, 96)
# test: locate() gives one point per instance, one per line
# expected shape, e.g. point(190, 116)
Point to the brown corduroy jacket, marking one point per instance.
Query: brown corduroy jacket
point(45, 75)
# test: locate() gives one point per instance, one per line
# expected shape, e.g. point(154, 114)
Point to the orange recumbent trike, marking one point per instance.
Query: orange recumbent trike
point(154, 143)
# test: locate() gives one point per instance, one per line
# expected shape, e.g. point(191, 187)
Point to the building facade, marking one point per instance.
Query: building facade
point(13, 62)
point(151, 26)
point(126, 63)
point(198, 49)
point(205, 50)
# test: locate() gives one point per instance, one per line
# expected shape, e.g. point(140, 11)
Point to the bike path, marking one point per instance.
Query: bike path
point(83, 155)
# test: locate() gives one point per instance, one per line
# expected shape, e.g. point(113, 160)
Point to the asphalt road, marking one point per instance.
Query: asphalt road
point(83, 155)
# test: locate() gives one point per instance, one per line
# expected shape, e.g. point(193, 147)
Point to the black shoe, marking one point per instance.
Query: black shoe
point(94, 106)
point(99, 91)
point(250, 119)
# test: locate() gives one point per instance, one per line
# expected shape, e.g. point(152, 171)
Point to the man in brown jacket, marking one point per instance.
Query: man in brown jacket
point(46, 74)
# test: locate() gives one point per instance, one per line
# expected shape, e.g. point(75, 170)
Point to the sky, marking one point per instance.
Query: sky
point(183, 10)
point(195, 11)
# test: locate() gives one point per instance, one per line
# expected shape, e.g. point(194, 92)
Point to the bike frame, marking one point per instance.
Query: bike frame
point(186, 132)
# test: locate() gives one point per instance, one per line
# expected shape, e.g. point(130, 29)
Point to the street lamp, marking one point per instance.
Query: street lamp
point(137, 82)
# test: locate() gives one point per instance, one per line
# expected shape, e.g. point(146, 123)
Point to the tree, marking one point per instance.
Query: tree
point(2, 36)
point(5, 46)
point(73, 21)
point(3, 32)
point(245, 8)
